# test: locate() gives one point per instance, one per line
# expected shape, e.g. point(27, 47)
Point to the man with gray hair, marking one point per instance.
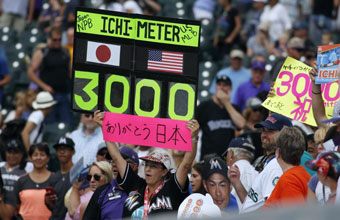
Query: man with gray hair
point(291, 189)
point(239, 155)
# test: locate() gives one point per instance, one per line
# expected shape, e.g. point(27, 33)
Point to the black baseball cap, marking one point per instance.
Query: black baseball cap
point(15, 145)
point(224, 79)
point(64, 141)
point(214, 165)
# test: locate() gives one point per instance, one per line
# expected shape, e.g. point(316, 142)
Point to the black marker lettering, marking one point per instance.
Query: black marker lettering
point(104, 25)
point(111, 20)
point(175, 33)
point(151, 30)
point(160, 30)
point(141, 25)
point(167, 32)
point(119, 26)
point(126, 27)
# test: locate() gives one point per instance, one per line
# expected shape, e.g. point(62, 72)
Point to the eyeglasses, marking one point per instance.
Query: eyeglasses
point(56, 39)
point(95, 176)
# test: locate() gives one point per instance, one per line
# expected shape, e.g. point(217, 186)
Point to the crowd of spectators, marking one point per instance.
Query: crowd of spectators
point(243, 157)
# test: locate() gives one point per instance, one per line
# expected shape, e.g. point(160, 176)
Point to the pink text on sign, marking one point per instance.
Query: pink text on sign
point(145, 131)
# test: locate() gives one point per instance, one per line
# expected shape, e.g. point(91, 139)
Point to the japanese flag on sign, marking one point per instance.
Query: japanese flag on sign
point(108, 54)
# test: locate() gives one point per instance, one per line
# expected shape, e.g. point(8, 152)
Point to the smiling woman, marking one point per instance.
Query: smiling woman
point(162, 190)
point(30, 189)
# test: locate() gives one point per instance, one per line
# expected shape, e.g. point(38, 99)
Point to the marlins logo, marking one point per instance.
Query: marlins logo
point(214, 164)
point(62, 141)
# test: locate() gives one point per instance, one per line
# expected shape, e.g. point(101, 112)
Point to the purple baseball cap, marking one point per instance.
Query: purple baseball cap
point(258, 64)
point(127, 153)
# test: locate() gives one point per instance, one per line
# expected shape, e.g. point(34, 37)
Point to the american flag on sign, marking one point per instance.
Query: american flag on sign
point(165, 61)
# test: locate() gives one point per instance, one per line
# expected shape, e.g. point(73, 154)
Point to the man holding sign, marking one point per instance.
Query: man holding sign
point(160, 191)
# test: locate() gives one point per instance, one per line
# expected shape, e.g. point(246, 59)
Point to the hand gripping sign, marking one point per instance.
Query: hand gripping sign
point(135, 64)
point(293, 89)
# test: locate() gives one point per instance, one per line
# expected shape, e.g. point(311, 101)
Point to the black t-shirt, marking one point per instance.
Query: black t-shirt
point(167, 199)
point(226, 23)
point(217, 127)
point(323, 7)
point(61, 184)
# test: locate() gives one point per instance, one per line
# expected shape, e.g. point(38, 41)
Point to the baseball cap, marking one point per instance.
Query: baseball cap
point(258, 64)
point(300, 25)
point(242, 143)
point(236, 53)
point(253, 102)
point(336, 114)
point(296, 43)
point(64, 141)
point(127, 153)
point(162, 157)
point(274, 122)
point(214, 165)
point(225, 79)
point(327, 164)
point(14, 144)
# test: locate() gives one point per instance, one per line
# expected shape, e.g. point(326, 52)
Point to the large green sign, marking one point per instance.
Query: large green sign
point(135, 64)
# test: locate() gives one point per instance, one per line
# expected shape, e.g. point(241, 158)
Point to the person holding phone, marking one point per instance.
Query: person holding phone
point(54, 198)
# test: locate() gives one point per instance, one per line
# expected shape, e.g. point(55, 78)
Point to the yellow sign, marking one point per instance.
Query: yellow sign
point(293, 89)
point(138, 29)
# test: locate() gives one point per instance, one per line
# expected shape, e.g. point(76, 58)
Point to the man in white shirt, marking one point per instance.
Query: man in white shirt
point(265, 182)
point(239, 154)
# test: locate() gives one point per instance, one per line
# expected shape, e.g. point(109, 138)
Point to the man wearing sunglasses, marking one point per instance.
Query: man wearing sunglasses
point(54, 67)
point(108, 200)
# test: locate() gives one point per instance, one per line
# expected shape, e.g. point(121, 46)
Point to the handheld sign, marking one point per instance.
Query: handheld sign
point(293, 89)
point(138, 130)
point(76, 169)
point(135, 64)
point(328, 61)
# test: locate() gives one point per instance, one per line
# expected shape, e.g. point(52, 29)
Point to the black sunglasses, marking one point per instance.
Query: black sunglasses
point(56, 39)
point(95, 176)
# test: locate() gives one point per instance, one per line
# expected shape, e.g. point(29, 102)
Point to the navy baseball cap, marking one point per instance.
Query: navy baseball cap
point(240, 142)
point(336, 114)
point(275, 122)
point(127, 153)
